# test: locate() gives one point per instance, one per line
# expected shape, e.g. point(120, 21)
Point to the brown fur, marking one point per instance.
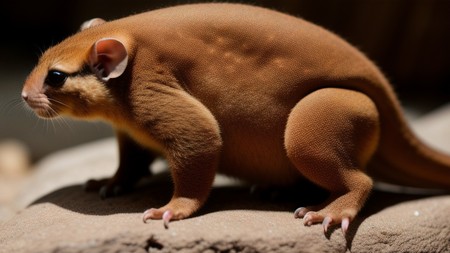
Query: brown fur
point(247, 91)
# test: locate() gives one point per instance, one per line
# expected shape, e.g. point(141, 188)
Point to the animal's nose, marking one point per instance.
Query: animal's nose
point(24, 96)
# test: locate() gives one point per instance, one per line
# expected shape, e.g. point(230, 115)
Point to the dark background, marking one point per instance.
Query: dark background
point(408, 39)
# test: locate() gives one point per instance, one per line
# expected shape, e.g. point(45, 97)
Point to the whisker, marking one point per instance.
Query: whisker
point(50, 126)
point(46, 126)
point(10, 106)
point(53, 125)
point(58, 102)
point(53, 120)
point(29, 112)
point(12, 101)
point(32, 115)
point(58, 121)
point(63, 120)
point(40, 51)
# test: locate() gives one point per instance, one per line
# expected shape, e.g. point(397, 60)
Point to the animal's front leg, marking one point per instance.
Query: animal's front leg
point(192, 184)
point(134, 161)
point(191, 139)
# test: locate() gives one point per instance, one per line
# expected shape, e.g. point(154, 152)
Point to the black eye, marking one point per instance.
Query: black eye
point(55, 78)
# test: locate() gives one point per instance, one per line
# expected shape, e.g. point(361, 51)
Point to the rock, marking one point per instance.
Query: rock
point(14, 167)
point(14, 159)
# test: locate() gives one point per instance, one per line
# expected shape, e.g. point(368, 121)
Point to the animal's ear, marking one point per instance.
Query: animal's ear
point(91, 23)
point(108, 58)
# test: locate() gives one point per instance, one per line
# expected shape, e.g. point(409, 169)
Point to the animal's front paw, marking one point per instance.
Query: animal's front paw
point(157, 214)
point(107, 187)
point(176, 209)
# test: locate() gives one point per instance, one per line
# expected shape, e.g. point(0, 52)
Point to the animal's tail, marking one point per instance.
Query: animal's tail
point(402, 158)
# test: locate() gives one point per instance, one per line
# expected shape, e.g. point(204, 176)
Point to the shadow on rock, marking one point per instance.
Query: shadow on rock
point(156, 191)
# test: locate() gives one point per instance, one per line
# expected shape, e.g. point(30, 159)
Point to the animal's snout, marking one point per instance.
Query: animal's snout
point(24, 96)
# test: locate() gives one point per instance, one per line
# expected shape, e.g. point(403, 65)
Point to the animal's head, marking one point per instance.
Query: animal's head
point(71, 77)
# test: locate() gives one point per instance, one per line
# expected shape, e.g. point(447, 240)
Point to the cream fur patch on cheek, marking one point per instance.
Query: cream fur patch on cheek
point(88, 89)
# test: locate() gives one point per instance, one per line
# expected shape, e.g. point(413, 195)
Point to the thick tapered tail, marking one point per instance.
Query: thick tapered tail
point(411, 164)
point(403, 159)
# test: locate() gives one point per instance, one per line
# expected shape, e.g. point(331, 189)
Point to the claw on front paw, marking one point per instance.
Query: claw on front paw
point(153, 214)
point(150, 214)
point(176, 209)
point(167, 216)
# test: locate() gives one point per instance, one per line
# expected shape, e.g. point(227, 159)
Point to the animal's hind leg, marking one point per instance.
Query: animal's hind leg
point(331, 134)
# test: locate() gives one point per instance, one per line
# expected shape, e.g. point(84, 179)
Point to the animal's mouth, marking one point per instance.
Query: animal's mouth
point(41, 105)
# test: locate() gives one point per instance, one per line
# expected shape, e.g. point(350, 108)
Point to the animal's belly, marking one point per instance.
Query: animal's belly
point(256, 156)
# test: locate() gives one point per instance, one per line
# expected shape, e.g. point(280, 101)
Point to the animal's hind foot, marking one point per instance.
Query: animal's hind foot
point(335, 212)
point(327, 221)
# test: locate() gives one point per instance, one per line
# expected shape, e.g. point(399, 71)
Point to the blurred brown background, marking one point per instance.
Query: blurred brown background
point(408, 39)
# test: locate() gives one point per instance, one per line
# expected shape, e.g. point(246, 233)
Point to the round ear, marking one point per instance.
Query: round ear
point(91, 23)
point(108, 58)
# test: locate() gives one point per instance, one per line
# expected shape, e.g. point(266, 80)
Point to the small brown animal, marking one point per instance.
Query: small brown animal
point(241, 90)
